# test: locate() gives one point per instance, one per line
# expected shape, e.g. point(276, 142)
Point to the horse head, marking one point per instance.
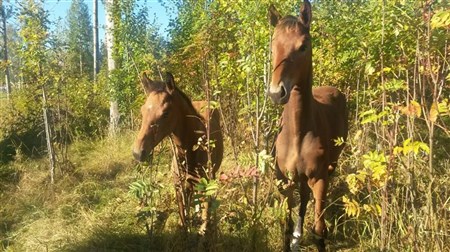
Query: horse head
point(291, 52)
point(158, 115)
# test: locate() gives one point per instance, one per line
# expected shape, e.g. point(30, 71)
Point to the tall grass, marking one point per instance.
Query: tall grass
point(89, 208)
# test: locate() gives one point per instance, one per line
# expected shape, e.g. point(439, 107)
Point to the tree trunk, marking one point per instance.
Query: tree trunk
point(114, 105)
point(5, 53)
point(96, 44)
point(48, 137)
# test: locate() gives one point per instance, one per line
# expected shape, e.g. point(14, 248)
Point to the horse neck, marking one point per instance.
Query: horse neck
point(297, 113)
point(189, 123)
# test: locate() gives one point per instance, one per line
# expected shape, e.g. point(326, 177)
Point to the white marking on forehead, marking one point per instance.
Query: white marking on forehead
point(150, 106)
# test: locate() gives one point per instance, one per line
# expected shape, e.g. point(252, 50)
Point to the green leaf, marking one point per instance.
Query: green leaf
point(369, 69)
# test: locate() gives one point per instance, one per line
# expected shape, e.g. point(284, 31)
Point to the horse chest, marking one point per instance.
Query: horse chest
point(297, 156)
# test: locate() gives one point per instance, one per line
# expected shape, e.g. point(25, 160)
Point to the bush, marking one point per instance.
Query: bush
point(21, 125)
point(86, 107)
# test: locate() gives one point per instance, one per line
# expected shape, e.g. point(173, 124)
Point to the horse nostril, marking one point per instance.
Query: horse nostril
point(283, 91)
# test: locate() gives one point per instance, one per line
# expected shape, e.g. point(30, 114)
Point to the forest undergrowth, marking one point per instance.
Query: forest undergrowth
point(92, 208)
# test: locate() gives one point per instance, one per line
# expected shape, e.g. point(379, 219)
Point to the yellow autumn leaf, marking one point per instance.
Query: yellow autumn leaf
point(367, 208)
point(397, 150)
point(378, 171)
point(444, 107)
point(413, 109)
point(441, 19)
point(378, 209)
point(352, 208)
point(352, 182)
point(416, 108)
point(433, 112)
point(375, 209)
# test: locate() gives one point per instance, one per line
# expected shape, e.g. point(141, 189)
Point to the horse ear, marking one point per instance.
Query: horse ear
point(274, 15)
point(170, 82)
point(305, 14)
point(147, 83)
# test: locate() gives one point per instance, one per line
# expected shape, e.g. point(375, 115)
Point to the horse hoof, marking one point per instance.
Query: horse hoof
point(321, 245)
point(295, 244)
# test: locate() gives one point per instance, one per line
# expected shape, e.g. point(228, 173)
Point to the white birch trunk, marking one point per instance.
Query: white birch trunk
point(114, 105)
point(96, 43)
point(5, 51)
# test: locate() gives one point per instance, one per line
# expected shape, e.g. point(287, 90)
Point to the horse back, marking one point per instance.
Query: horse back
point(331, 107)
point(215, 132)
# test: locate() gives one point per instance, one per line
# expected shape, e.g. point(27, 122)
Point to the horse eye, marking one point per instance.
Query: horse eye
point(165, 114)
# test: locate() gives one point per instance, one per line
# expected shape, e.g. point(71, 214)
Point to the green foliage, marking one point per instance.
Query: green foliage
point(146, 194)
point(206, 190)
point(86, 107)
point(20, 127)
point(137, 47)
point(79, 40)
point(34, 33)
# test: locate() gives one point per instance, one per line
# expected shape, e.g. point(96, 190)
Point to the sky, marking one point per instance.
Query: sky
point(58, 12)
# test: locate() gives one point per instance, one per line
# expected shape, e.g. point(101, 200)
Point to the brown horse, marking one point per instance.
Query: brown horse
point(312, 119)
point(168, 111)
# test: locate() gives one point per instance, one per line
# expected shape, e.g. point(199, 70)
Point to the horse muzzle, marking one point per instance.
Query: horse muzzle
point(143, 155)
point(279, 94)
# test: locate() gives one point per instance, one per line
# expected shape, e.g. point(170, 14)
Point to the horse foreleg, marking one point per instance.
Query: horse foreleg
point(288, 226)
point(319, 188)
point(304, 198)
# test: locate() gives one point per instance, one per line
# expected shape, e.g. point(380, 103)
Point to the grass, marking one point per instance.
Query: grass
point(89, 207)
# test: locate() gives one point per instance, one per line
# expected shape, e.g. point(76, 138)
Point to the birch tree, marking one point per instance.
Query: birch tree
point(114, 104)
point(95, 32)
point(4, 16)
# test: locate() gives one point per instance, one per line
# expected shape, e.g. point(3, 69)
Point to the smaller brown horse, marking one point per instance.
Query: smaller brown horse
point(311, 120)
point(168, 111)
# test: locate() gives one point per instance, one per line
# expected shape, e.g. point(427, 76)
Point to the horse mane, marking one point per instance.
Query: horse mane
point(187, 100)
point(289, 22)
point(160, 86)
